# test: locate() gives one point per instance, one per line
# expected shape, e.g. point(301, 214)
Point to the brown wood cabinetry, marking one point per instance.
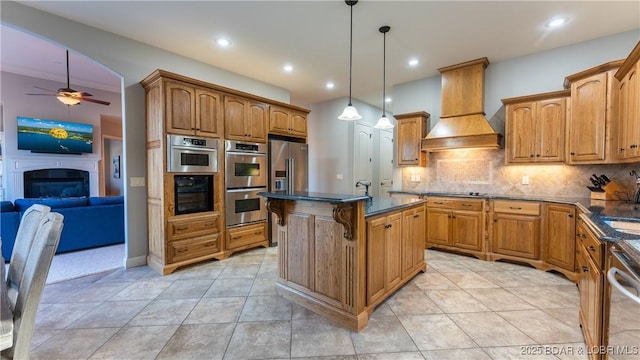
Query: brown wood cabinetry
point(414, 224)
point(456, 224)
point(411, 129)
point(590, 261)
point(247, 236)
point(516, 231)
point(592, 134)
point(384, 255)
point(629, 107)
point(192, 110)
point(287, 122)
point(535, 128)
point(559, 245)
point(245, 119)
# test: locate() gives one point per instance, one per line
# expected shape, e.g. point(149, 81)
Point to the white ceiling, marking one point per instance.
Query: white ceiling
point(313, 36)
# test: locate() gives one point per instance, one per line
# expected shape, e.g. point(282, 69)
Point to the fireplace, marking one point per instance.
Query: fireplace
point(58, 183)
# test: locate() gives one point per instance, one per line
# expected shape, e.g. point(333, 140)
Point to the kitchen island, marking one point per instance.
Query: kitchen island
point(342, 255)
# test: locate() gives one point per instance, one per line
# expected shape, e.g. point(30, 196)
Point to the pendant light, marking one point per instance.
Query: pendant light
point(383, 122)
point(350, 112)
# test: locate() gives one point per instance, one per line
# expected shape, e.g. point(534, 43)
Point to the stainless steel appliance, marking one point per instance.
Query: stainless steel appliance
point(245, 164)
point(288, 171)
point(193, 193)
point(191, 154)
point(246, 175)
point(624, 307)
point(244, 206)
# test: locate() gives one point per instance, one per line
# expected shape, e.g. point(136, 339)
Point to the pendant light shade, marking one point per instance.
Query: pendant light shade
point(384, 122)
point(350, 112)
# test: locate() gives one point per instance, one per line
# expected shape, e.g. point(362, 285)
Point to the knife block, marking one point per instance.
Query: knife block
point(609, 192)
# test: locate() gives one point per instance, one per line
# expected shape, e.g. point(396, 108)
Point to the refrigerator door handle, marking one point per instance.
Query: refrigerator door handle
point(291, 175)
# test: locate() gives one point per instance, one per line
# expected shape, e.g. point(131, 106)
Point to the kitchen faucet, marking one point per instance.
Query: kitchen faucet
point(366, 185)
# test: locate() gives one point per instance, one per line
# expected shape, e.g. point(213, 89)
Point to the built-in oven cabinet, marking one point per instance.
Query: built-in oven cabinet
point(247, 236)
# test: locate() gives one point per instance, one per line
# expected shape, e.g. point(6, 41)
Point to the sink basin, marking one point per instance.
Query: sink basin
point(624, 226)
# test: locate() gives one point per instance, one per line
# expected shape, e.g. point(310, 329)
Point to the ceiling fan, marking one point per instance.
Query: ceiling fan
point(68, 96)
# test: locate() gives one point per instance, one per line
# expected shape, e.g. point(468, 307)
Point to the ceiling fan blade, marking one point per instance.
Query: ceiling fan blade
point(37, 87)
point(95, 101)
point(44, 94)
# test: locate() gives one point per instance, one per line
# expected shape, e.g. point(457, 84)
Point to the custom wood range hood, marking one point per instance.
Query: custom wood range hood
point(462, 122)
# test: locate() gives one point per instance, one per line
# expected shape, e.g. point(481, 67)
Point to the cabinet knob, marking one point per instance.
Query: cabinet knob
point(572, 153)
point(537, 155)
point(531, 155)
point(570, 215)
point(416, 159)
point(416, 216)
point(622, 149)
point(585, 269)
point(592, 248)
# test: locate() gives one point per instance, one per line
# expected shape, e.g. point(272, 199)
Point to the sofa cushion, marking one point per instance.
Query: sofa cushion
point(106, 200)
point(6, 206)
point(54, 203)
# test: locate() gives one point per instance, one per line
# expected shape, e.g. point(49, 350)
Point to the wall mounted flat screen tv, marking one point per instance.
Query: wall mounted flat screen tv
point(54, 136)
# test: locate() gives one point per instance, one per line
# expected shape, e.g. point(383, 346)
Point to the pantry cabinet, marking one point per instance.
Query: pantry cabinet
point(592, 123)
point(245, 119)
point(535, 128)
point(629, 107)
point(287, 122)
point(456, 224)
point(411, 129)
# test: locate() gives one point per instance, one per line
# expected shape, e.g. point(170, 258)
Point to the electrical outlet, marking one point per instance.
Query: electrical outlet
point(525, 180)
point(339, 176)
point(413, 178)
point(417, 177)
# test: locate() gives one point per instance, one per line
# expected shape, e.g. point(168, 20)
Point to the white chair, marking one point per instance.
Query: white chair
point(31, 220)
point(36, 268)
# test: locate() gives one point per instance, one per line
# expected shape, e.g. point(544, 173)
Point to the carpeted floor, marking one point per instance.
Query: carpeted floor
point(86, 262)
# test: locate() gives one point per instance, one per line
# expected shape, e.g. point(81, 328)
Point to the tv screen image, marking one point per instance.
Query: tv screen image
point(54, 136)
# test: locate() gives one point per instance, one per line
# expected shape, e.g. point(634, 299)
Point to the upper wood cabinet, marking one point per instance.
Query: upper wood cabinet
point(288, 122)
point(629, 107)
point(535, 128)
point(192, 110)
point(245, 119)
point(592, 135)
point(411, 129)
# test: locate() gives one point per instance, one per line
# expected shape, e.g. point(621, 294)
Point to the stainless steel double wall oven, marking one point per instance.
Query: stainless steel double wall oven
point(246, 172)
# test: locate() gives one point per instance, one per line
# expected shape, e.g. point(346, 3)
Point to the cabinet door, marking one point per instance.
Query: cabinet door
point(298, 122)
point(517, 235)
point(629, 116)
point(560, 236)
point(587, 121)
point(521, 129)
point(550, 134)
point(376, 248)
point(278, 120)
point(590, 285)
point(208, 112)
point(408, 150)
point(466, 230)
point(235, 113)
point(393, 251)
point(180, 108)
point(413, 239)
point(438, 226)
point(257, 121)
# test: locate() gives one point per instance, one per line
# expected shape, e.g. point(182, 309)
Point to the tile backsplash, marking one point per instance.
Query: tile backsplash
point(484, 171)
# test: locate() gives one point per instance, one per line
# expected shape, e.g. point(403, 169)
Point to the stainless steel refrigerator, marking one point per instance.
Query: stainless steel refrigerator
point(288, 171)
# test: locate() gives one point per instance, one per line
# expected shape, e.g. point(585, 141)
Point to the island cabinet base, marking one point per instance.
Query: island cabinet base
point(325, 258)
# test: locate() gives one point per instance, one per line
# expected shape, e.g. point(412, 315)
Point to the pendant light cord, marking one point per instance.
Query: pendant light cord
point(384, 71)
point(350, 51)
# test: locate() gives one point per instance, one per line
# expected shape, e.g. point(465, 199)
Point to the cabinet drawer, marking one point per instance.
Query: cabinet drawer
point(246, 235)
point(455, 204)
point(192, 248)
point(189, 226)
point(516, 207)
point(593, 246)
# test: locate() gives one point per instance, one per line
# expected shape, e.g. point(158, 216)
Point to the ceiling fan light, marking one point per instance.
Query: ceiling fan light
point(383, 123)
point(350, 113)
point(69, 101)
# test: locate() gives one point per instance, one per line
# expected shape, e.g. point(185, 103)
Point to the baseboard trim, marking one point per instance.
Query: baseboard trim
point(135, 262)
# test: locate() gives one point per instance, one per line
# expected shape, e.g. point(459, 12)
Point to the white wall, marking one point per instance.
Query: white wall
point(133, 61)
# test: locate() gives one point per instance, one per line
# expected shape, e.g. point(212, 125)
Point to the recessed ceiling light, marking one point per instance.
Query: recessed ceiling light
point(330, 85)
point(287, 68)
point(553, 23)
point(222, 42)
point(414, 62)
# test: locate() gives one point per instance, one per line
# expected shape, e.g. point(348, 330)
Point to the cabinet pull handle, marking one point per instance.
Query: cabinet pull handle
point(585, 269)
point(416, 216)
point(592, 248)
point(467, 205)
point(572, 153)
point(257, 233)
point(208, 244)
point(453, 217)
point(180, 251)
point(181, 228)
point(515, 208)
point(438, 202)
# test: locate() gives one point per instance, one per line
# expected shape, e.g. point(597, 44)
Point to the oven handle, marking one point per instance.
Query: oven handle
point(246, 153)
point(248, 190)
point(194, 148)
point(611, 275)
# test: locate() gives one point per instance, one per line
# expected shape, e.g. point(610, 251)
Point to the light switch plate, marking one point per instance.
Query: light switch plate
point(137, 181)
point(525, 180)
point(339, 176)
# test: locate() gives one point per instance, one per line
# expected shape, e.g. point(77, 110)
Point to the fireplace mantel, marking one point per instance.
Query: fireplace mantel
point(17, 166)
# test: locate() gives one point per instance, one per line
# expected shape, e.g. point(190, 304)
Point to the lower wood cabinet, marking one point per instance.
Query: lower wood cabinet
point(559, 246)
point(384, 254)
point(456, 224)
point(247, 236)
point(516, 230)
point(414, 224)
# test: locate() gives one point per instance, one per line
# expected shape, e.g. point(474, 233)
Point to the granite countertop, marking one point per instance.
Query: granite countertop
point(596, 212)
point(373, 206)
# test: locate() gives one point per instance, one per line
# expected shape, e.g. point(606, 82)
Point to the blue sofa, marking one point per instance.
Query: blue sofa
point(88, 222)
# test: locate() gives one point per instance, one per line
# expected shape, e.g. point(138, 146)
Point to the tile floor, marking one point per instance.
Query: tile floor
point(461, 308)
